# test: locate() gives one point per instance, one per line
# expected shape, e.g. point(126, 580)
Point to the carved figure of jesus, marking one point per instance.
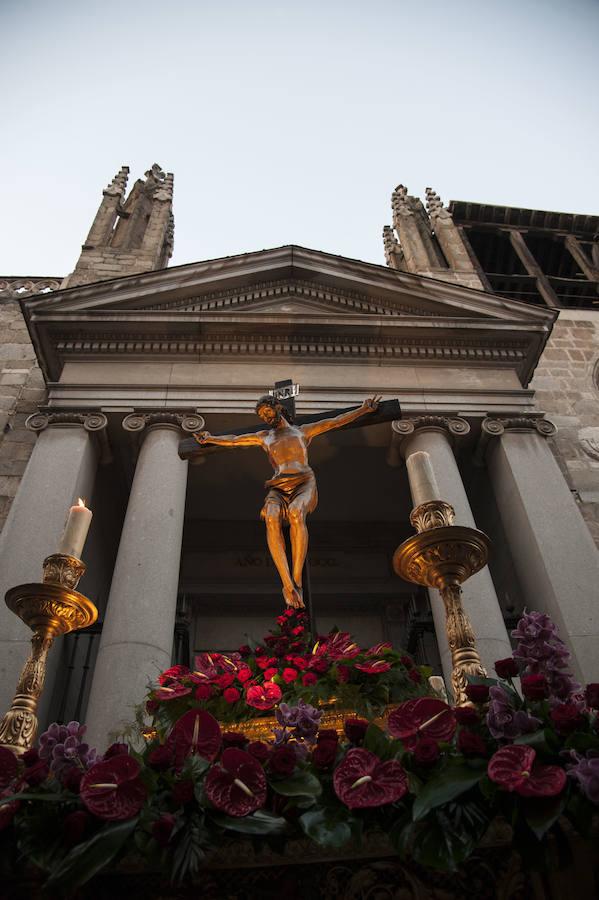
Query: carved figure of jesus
point(292, 493)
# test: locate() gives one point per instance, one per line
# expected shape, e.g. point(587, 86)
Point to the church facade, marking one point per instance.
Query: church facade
point(104, 373)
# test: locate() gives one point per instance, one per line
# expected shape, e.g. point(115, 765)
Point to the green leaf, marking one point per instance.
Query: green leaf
point(536, 740)
point(323, 831)
point(479, 679)
point(260, 822)
point(376, 741)
point(449, 783)
point(582, 742)
point(302, 784)
point(85, 860)
point(449, 836)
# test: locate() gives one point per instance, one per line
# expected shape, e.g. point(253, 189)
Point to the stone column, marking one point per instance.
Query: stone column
point(554, 554)
point(62, 467)
point(434, 435)
point(137, 637)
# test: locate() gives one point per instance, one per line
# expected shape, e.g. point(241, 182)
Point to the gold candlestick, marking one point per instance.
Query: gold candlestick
point(443, 555)
point(51, 608)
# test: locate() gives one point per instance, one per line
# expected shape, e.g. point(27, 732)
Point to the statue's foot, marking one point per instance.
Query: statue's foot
point(293, 597)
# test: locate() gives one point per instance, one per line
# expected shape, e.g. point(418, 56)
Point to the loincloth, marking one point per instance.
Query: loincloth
point(294, 490)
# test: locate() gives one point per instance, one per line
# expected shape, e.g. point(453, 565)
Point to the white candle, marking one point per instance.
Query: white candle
point(423, 483)
point(75, 531)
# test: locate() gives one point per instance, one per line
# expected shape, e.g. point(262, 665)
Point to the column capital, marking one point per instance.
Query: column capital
point(493, 427)
point(453, 426)
point(93, 422)
point(188, 422)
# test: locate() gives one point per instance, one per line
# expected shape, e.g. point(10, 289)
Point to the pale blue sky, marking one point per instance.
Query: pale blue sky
point(290, 122)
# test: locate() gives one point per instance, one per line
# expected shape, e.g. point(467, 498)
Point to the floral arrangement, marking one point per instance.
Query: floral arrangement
point(289, 665)
point(431, 783)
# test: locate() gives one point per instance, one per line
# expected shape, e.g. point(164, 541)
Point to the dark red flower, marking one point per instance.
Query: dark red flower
point(71, 778)
point(471, 744)
point(8, 767)
point(282, 761)
point(112, 789)
point(507, 668)
point(309, 678)
point(266, 662)
point(263, 696)
point(415, 676)
point(355, 729)
point(327, 734)
point(234, 739)
point(423, 717)
point(514, 769)
point(270, 673)
point(245, 651)
point(160, 758)
point(203, 692)
point(196, 732)
point(116, 749)
point(75, 826)
point(162, 829)
point(383, 647)
point(535, 687)
point(290, 675)
point(362, 780)
point(426, 752)
point(226, 680)
point(343, 673)
point(231, 695)
point(37, 773)
point(376, 667)
point(244, 674)
point(289, 613)
point(172, 674)
point(8, 811)
point(183, 791)
point(30, 757)
point(320, 665)
point(171, 692)
point(299, 629)
point(323, 755)
point(478, 693)
point(466, 715)
point(567, 718)
point(237, 785)
point(259, 750)
point(591, 694)
point(152, 706)
point(406, 661)
point(299, 662)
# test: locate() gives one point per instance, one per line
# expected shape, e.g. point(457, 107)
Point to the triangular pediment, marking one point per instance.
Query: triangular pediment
point(287, 301)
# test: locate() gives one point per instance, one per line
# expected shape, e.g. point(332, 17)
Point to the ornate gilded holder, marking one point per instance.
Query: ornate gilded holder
point(443, 555)
point(51, 608)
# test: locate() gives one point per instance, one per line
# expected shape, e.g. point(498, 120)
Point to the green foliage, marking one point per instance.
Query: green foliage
point(447, 837)
point(192, 840)
point(301, 784)
point(455, 778)
point(326, 829)
point(260, 822)
point(88, 858)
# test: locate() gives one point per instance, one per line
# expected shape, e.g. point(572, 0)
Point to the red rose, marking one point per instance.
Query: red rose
point(172, 674)
point(300, 663)
point(244, 674)
point(566, 718)
point(535, 687)
point(281, 620)
point(152, 706)
point(514, 769)
point(320, 665)
point(323, 755)
point(282, 762)
point(406, 661)
point(415, 676)
point(71, 778)
point(183, 792)
point(424, 717)
point(160, 758)
point(112, 789)
point(75, 826)
point(259, 750)
point(478, 693)
point(327, 734)
point(507, 668)
point(471, 744)
point(426, 752)
point(116, 750)
point(203, 692)
point(234, 739)
point(363, 781)
point(355, 729)
point(244, 650)
point(265, 662)
point(299, 629)
point(238, 785)
point(591, 694)
point(231, 695)
point(226, 680)
point(270, 673)
point(308, 679)
point(8, 767)
point(343, 673)
point(289, 613)
point(377, 667)
point(290, 675)
point(263, 696)
point(162, 829)
point(466, 715)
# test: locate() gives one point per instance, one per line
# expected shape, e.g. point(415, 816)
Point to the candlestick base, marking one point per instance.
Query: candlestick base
point(443, 558)
point(50, 608)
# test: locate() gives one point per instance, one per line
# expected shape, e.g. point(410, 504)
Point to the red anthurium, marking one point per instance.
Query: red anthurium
point(377, 667)
point(112, 789)
point(172, 674)
point(423, 717)
point(338, 645)
point(171, 692)
point(205, 664)
point(263, 696)
point(229, 662)
point(514, 769)
point(383, 647)
point(8, 767)
point(362, 780)
point(196, 732)
point(237, 786)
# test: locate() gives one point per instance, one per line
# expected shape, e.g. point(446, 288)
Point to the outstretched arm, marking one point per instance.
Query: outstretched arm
point(230, 440)
point(316, 428)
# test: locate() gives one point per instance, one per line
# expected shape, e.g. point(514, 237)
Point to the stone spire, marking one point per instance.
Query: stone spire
point(129, 235)
point(393, 252)
point(450, 239)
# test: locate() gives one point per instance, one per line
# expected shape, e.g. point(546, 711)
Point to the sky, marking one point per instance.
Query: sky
point(289, 122)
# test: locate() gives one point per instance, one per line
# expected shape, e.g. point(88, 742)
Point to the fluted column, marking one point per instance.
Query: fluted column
point(62, 467)
point(434, 435)
point(554, 554)
point(137, 636)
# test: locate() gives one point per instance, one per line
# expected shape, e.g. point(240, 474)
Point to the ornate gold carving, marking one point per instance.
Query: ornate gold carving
point(63, 570)
point(433, 514)
point(443, 558)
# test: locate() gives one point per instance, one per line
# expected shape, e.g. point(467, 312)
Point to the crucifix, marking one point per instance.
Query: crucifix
point(292, 493)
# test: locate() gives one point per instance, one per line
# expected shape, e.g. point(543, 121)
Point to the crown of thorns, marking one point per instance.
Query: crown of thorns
point(269, 400)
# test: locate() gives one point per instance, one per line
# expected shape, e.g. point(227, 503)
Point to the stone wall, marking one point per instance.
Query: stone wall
point(21, 390)
point(567, 385)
